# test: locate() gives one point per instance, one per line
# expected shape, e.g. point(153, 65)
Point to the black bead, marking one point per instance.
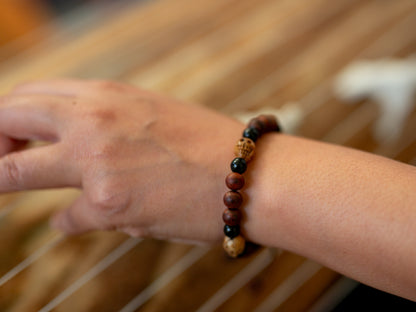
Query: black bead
point(231, 230)
point(239, 165)
point(251, 133)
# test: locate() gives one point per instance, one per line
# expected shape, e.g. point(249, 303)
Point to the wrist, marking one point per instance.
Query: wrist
point(263, 194)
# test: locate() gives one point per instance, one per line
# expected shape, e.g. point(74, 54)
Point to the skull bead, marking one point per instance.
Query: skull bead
point(244, 149)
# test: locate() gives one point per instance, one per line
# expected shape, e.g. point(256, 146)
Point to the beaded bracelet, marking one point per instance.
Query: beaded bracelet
point(234, 244)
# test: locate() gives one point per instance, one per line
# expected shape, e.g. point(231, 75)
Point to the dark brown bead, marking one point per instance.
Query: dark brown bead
point(269, 122)
point(233, 200)
point(256, 124)
point(234, 181)
point(231, 217)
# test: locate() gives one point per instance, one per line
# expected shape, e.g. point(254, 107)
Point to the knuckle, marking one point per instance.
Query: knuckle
point(108, 201)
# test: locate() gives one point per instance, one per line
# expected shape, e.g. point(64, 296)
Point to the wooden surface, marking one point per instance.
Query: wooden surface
point(226, 54)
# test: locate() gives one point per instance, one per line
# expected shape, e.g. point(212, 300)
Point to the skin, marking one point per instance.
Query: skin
point(154, 167)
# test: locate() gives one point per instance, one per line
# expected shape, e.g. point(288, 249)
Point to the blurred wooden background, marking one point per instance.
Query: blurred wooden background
point(233, 56)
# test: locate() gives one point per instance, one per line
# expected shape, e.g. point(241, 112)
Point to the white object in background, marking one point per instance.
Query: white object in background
point(391, 83)
point(289, 116)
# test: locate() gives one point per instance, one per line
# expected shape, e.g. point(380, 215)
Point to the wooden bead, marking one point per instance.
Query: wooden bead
point(234, 181)
point(244, 149)
point(231, 217)
point(269, 123)
point(233, 200)
point(256, 124)
point(234, 246)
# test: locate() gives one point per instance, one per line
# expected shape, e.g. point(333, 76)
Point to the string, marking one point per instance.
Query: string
point(289, 286)
point(31, 259)
point(178, 268)
point(238, 281)
point(403, 143)
point(103, 264)
point(336, 293)
point(8, 208)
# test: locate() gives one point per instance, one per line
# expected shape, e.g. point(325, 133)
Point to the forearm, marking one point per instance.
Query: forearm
point(352, 211)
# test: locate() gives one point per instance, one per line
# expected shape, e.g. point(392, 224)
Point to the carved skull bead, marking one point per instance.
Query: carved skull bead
point(244, 148)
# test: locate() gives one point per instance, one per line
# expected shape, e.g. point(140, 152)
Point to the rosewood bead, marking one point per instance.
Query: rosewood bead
point(269, 122)
point(234, 246)
point(234, 181)
point(231, 217)
point(233, 200)
point(231, 230)
point(238, 165)
point(256, 124)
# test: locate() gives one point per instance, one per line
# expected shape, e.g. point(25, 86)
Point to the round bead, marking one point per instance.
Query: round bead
point(251, 133)
point(234, 181)
point(238, 165)
point(231, 217)
point(233, 200)
point(231, 230)
point(269, 122)
point(256, 124)
point(234, 246)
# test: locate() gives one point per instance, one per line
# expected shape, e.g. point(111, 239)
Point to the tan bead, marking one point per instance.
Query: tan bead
point(244, 149)
point(234, 246)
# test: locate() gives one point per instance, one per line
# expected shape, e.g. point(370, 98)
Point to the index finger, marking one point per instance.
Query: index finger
point(32, 117)
point(37, 168)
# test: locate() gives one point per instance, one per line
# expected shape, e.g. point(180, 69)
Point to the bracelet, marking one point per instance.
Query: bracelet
point(234, 244)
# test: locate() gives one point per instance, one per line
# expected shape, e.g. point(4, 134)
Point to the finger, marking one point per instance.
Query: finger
point(37, 168)
point(32, 117)
point(8, 145)
point(65, 87)
point(78, 218)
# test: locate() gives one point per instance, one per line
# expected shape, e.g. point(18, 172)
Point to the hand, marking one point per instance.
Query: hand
point(147, 165)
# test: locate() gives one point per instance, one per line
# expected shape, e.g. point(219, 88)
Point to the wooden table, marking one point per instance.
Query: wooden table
point(232, 56)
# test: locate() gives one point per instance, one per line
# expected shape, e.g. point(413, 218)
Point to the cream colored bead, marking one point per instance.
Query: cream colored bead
point(234, 246)
point(244, 148)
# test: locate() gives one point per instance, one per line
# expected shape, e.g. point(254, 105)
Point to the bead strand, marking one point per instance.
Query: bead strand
point(234, 243)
